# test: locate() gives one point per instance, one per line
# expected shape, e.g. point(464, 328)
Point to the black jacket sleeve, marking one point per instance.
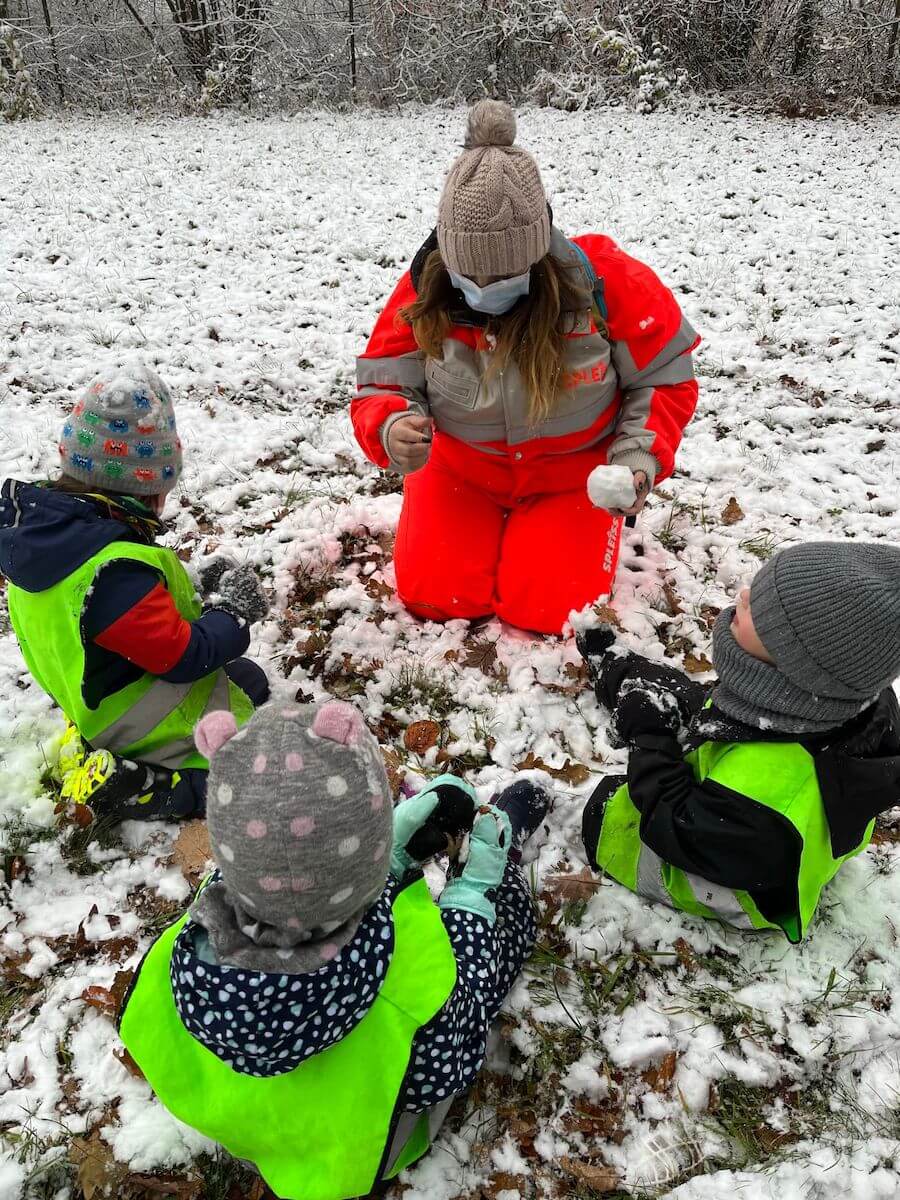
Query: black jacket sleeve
point(705, 828)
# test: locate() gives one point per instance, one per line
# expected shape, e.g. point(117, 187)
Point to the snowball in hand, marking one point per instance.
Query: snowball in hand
point(611, 487)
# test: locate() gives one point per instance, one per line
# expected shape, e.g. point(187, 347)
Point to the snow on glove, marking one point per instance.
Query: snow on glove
point(240, 593)
point(489, 848)
point(211, 574)
point(644, 707)
point(416, 816)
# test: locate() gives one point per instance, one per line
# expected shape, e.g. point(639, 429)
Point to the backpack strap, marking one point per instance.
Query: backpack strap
point(594, 282)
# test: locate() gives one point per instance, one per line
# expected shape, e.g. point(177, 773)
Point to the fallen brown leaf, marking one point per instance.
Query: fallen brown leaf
point(608, 614)
point(501, 1181)
point(191, 851)
point(696, 664)
point(18, 868)
point(580, 885)
point(143, 1187)
point(708, 614)
point(598, 1176)
point(393, 770)
point(102, 999)
point(421, 736)
point(732, 512)
point(600, 1122)
point(98, 1172)
point(128, 1062)
point(685, 955)
point(673, 601)
point(481, 654)
point(121, 984)
point(574, 773)
point(378, 589)
point(660, 1077)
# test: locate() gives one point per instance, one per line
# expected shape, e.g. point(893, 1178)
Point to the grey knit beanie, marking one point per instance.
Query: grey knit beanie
point(121, 436)
point(300, 819)
point(828, 613)
point(492, 216)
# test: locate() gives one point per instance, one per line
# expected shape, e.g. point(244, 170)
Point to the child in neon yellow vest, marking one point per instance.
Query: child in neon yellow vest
point(316, 1012)
point(108, 621)
point(742, 801)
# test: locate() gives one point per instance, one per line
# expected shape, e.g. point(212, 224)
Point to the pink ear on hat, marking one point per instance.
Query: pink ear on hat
point(213, 731)
point(339, 722)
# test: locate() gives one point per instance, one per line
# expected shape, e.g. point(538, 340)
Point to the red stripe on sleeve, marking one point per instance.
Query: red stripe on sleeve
point(153, 635)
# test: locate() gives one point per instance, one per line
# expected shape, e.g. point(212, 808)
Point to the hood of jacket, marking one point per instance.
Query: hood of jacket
point(264, 1023)
point(46, 534)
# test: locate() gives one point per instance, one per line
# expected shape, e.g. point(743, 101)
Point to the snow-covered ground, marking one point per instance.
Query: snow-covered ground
point(247, 260)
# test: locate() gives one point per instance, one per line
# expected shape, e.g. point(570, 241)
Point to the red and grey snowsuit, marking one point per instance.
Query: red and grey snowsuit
point(498, 520)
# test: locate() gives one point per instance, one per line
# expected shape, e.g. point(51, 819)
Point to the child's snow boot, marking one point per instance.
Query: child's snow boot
point(126, 790)
point(71, 753)
point(526, 804)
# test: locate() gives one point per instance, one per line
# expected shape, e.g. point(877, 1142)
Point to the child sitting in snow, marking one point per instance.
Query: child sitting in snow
point(742, 802)
point(108, 622)
point(316, 1011)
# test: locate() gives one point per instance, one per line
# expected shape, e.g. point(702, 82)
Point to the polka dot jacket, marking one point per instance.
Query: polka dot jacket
point(265, 1023)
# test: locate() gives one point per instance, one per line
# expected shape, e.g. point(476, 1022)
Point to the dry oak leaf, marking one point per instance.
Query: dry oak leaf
point(392, 770)
point(608, 615)
point(574, 773)
point(501, 1181)
point(598, 1176)
point(732, 512)
point(580, 885)
point(98, 1172)
point(696, 664)
point(102, 999)
point(191, 851)
point(143, 1187)
point(421, 736)
point(685, 954)
point(660, 1077)
point(128, 1062)
point(673, 600)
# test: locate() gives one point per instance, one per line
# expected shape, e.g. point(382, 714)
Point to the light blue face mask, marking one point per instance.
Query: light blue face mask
point(495, 298)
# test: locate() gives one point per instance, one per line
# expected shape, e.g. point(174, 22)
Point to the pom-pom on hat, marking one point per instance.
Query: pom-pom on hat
point(300, 819)
point(492, 216)
point(122, 437)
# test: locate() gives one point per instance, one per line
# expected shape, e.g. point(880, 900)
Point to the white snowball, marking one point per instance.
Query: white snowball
point(611, 487)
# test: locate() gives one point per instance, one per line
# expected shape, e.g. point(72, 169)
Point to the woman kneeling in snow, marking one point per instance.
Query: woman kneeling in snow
point(508, 364)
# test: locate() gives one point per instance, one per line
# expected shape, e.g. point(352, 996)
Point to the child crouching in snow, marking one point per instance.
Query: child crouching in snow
point(108, 622)
point(316, 1011)
point(743, 801)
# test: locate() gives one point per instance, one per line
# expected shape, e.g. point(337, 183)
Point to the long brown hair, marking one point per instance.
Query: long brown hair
point(532, 335)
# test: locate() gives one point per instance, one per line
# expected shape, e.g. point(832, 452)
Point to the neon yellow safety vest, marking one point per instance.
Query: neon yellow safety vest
point(149, 719)
point(325, 1130)
point(779, 775)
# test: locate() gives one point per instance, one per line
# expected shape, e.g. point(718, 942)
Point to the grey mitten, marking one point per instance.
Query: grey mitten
point(211, 574)
point(241, 593)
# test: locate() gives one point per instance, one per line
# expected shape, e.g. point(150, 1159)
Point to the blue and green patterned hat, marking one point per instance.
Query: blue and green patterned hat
point(121, 436)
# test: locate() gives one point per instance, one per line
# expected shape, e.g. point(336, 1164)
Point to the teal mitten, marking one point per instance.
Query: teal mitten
point(411, 815)
point(489, 848)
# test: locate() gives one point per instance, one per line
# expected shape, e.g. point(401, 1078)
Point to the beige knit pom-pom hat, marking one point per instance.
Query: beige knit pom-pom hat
point(492, 217)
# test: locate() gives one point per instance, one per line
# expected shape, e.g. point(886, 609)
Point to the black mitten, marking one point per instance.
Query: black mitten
point(453, 816)
point(644, 707)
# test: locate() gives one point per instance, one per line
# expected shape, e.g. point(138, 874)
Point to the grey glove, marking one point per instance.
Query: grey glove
point(211, 574)
point(241, 594)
